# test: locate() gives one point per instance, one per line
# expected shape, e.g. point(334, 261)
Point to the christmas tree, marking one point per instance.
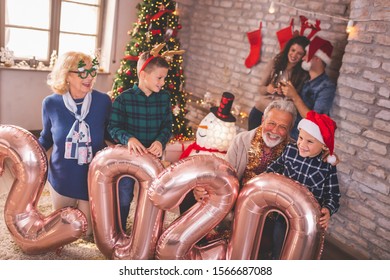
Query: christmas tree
point(158, 22)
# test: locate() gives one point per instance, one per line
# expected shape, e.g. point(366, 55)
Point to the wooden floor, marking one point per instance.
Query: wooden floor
point(332, 252)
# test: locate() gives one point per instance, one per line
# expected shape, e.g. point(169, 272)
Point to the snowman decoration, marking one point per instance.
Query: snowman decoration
point(216, 131)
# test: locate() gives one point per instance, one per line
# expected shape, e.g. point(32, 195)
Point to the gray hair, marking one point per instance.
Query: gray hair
point(285, 105)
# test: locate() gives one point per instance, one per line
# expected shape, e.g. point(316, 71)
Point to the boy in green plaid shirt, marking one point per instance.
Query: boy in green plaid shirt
point(141, 118)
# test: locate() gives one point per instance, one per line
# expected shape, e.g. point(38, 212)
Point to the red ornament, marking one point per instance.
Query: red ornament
point(171, 86)
point(120, 90)
point(179, 26)
point(128, 72)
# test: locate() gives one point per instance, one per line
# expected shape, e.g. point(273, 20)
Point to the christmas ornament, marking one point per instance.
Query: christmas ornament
point(254, 38)
point(147, 36)
point(168, 34)
point(176, 110)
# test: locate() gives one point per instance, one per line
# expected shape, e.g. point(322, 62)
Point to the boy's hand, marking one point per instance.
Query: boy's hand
point(200, 193)
point(324, 220)
point(155, 149)
point(135, 146)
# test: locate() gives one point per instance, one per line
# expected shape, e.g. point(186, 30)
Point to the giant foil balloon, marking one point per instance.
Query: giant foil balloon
point(168, 190)
point(269, 192)
point(107, 167)
point(33, 232)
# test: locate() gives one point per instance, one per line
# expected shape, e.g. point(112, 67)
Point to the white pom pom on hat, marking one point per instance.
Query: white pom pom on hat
point(331, 159)
point(321, 127)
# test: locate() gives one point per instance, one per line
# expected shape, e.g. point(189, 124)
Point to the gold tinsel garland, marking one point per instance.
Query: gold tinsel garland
point(258, 160)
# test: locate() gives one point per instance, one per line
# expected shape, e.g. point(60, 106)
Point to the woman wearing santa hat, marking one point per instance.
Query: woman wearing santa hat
point(303, 161)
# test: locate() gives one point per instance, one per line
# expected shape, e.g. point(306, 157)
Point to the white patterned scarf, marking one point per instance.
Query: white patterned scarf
point(78, 141)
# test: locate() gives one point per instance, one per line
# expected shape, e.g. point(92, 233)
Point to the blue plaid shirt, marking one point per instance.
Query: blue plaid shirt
point(147, 118)
point(318, 95)
point(319, 176)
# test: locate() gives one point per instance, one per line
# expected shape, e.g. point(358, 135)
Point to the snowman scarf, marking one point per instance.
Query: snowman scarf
point(78, 141)
point(196, 147)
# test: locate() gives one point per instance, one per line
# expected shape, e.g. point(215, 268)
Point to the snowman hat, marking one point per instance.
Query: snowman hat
point(321, 127)
point(223, 112)
point(321, 48)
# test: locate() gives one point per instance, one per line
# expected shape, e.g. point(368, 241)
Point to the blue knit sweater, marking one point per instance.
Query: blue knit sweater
point(65, 175)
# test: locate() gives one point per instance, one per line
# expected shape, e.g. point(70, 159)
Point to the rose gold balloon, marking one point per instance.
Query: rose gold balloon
point(33, 232)
point(273, 192)
point(168, 190)
point(107, 167)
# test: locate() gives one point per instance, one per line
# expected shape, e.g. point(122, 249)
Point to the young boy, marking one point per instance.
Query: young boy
point(302, 161)
point(141, 118)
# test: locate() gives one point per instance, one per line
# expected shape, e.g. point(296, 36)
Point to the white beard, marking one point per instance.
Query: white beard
point(271, 143)
point(306, 65)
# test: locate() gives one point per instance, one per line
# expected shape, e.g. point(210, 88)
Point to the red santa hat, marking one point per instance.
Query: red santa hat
point(321, 48)
point(321, 127)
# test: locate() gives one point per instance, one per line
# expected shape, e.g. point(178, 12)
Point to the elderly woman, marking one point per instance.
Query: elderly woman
point(74, 120)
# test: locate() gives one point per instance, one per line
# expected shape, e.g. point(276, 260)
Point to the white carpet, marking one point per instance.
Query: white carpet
point(78, 250)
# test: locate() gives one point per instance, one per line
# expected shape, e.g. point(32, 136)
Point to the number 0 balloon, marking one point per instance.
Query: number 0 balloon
point(269, 192)
point(107, 167)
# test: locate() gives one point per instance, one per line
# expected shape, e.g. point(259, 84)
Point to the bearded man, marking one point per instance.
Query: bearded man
point(252, 151)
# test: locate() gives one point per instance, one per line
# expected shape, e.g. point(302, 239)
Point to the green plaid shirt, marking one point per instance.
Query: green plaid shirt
point(147, 118)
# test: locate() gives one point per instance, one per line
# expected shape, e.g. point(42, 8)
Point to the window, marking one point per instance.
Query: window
point(35, 28)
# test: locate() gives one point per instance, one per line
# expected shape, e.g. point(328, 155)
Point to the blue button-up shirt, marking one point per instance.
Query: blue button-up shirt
point(318, 95)
point(318, 176)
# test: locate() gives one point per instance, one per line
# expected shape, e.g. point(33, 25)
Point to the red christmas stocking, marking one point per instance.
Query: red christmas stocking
point(284, 35)
point(254, 38)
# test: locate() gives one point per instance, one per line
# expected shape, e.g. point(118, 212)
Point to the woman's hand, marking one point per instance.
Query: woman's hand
point(288, 90)
point(271, 89)
point(135, 146)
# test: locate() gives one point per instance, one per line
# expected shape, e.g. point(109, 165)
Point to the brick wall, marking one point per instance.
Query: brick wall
point(362, 112)
point(214, 37)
